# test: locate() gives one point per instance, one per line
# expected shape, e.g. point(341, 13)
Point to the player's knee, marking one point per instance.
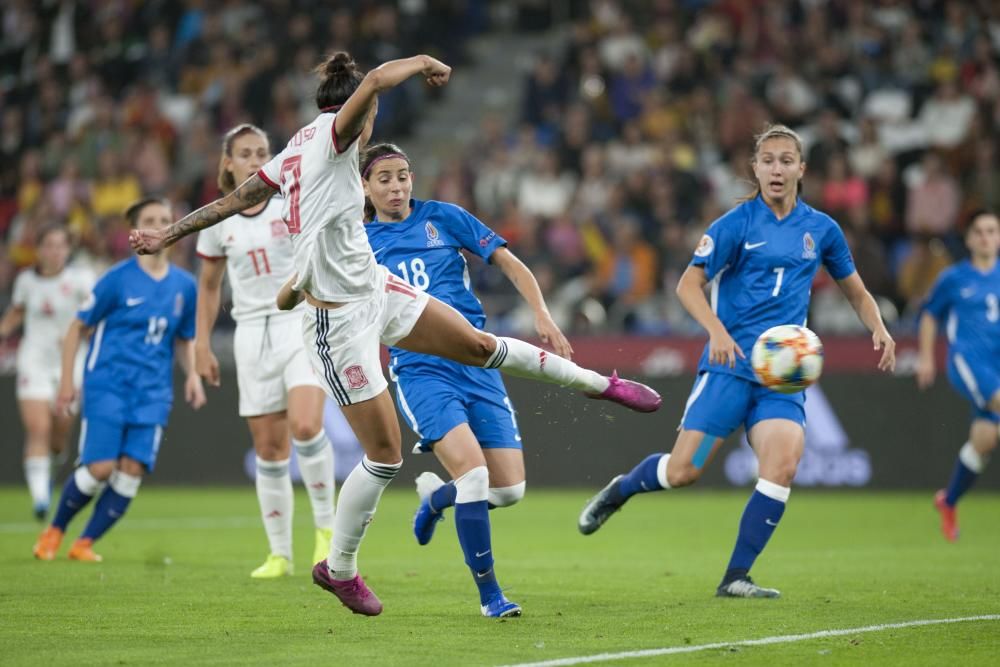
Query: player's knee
point(130, 467)
point(305, 428)
point(681, 474)
point(473, 486)
point(271, 449)
point(480, 347)
point(505, 496)
point(100, 470)
point(781, 472)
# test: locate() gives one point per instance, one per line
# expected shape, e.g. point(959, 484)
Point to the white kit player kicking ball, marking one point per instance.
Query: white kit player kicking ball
point(279, 392)
point(45, 300)
point(355, 304)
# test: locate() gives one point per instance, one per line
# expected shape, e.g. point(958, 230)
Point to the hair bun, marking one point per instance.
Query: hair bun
point(340, 64)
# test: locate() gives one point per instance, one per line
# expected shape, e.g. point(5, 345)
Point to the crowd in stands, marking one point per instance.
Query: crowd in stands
point(633, 133)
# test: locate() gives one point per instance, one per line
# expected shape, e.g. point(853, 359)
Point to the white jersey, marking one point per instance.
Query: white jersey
point(259, 258)
point(324, 211)
point(50, 303)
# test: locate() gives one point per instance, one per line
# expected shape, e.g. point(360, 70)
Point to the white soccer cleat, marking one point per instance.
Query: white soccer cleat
point(428, 483)
point(745, 588)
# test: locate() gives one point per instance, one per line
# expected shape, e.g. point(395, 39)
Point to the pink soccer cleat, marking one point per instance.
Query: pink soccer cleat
point(949, 517)
point(353, 593)
point(633, 395)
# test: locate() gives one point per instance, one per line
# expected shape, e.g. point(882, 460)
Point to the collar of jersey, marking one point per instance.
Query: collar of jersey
point(415, 205)
point(796, 211)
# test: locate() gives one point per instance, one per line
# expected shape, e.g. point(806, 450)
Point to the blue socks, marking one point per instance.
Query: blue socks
point(74, 498)
point(967, 468)
point(472, 521)
point(443, 497)
point(760, 518)
point(641, 479)
point(110, 507)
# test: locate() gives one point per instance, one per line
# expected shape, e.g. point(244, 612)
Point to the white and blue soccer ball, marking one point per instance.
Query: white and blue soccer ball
point(787, 358)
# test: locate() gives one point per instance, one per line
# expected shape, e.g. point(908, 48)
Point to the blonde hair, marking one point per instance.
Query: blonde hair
point(226, 180)
point(774, 131)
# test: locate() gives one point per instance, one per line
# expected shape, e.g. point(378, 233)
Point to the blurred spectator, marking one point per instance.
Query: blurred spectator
point(933, 200)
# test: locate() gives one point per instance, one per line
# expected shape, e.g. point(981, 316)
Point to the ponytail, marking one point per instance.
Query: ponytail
point(339, 77)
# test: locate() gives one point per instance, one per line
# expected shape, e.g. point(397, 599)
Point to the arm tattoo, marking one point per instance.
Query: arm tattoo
point(253, 191)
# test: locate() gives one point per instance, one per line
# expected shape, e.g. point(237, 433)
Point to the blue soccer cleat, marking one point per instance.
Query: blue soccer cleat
point(500, 607)
point(40, 510)
point(425, 521)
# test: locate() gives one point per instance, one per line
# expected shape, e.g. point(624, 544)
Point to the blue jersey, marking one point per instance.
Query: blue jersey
point(425, 250)
point(967, 302)
point(129, 369)
point(761, 270)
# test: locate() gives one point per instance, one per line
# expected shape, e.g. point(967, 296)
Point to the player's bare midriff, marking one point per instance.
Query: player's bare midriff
point(313, 301)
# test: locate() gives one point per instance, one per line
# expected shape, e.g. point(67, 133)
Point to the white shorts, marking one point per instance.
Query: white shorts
point(38, 377)
point(343, 343)
point(270, 360)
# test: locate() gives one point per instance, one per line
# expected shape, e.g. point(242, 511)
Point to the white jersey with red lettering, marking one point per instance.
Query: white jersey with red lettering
point(324, 211)
point(259, 258)
point(50, 303)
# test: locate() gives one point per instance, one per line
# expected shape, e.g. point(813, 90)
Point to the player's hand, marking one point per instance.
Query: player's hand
point(552, 336)
point(883, 341)
point(436, 72)
point(722, 349)
point(66, 400)
point(206, 365)
point(926, 372)
point(147, 241)
point(194, 393)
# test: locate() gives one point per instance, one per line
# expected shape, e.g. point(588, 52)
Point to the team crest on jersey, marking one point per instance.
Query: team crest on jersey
point(433, 237)
point(705, 246)
point(356, 377)
point(808, 246)
point(278, 229)
point(178, 304)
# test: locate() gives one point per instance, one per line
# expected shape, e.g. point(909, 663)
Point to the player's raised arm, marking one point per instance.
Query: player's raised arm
point(866, 307)
point(253, 191)
point(524, 281)
point(351, 118)
point(691, 292)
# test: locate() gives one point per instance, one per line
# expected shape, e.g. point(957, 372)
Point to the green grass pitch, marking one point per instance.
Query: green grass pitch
point(173, 588)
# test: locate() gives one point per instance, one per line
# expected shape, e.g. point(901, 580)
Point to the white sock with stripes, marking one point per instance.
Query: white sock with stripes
point(315, 457)
point(274, 493)
point(359, 496)
point(38, 474)
point(515, 357)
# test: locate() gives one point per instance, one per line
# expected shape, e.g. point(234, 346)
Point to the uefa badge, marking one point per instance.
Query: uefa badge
point(705, 246)
point(808, 246)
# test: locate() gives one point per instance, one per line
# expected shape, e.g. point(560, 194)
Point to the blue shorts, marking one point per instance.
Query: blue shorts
point(104, 439)
point(977, 379)
point(436, 399)
point(720, 402)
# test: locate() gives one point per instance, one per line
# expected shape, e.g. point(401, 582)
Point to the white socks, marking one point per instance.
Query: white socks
point(125, 485)
point(86, 482)
point(505, 496)
point(515, 357)
point(774, 491)
point(38, 474)
point(274, 493)
point(359, 496)
point(315, 457)
point(473, 486)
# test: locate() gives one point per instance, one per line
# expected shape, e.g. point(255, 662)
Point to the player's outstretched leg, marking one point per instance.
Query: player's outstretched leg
point(315, 456)
point(79, 490)
point(443, 332)
point(435, 496)
point(649, 475)
point(760, 517)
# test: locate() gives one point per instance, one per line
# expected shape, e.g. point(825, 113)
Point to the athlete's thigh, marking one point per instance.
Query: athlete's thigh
point(506, 466)
point(375, 424)
point(62, 426)
point(259, 369)
point(36, 415)
point(305, 408)
point(491, 413)
point(443, 332)
point(983, 435)
point(431, 401)
point(270, 436)
point(101, 439)
point(141, 443)
point(459, 451)
point(343, 348)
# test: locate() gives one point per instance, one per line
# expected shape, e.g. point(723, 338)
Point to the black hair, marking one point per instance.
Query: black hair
point(368, 158)
point(133, 212)
point(339, 77)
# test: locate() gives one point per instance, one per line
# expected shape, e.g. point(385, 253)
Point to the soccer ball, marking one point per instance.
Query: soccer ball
point(787, 358)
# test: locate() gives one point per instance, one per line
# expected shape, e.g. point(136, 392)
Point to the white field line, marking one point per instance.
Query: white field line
point(778, 639)
point(165, 523)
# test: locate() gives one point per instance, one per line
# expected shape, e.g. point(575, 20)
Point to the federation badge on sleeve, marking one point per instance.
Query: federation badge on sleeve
point(705, 246)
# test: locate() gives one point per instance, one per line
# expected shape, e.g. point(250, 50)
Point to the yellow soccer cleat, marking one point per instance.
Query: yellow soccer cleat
point(48, 543)
point(274, 567)
point(83, 550)
point(323, 537)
